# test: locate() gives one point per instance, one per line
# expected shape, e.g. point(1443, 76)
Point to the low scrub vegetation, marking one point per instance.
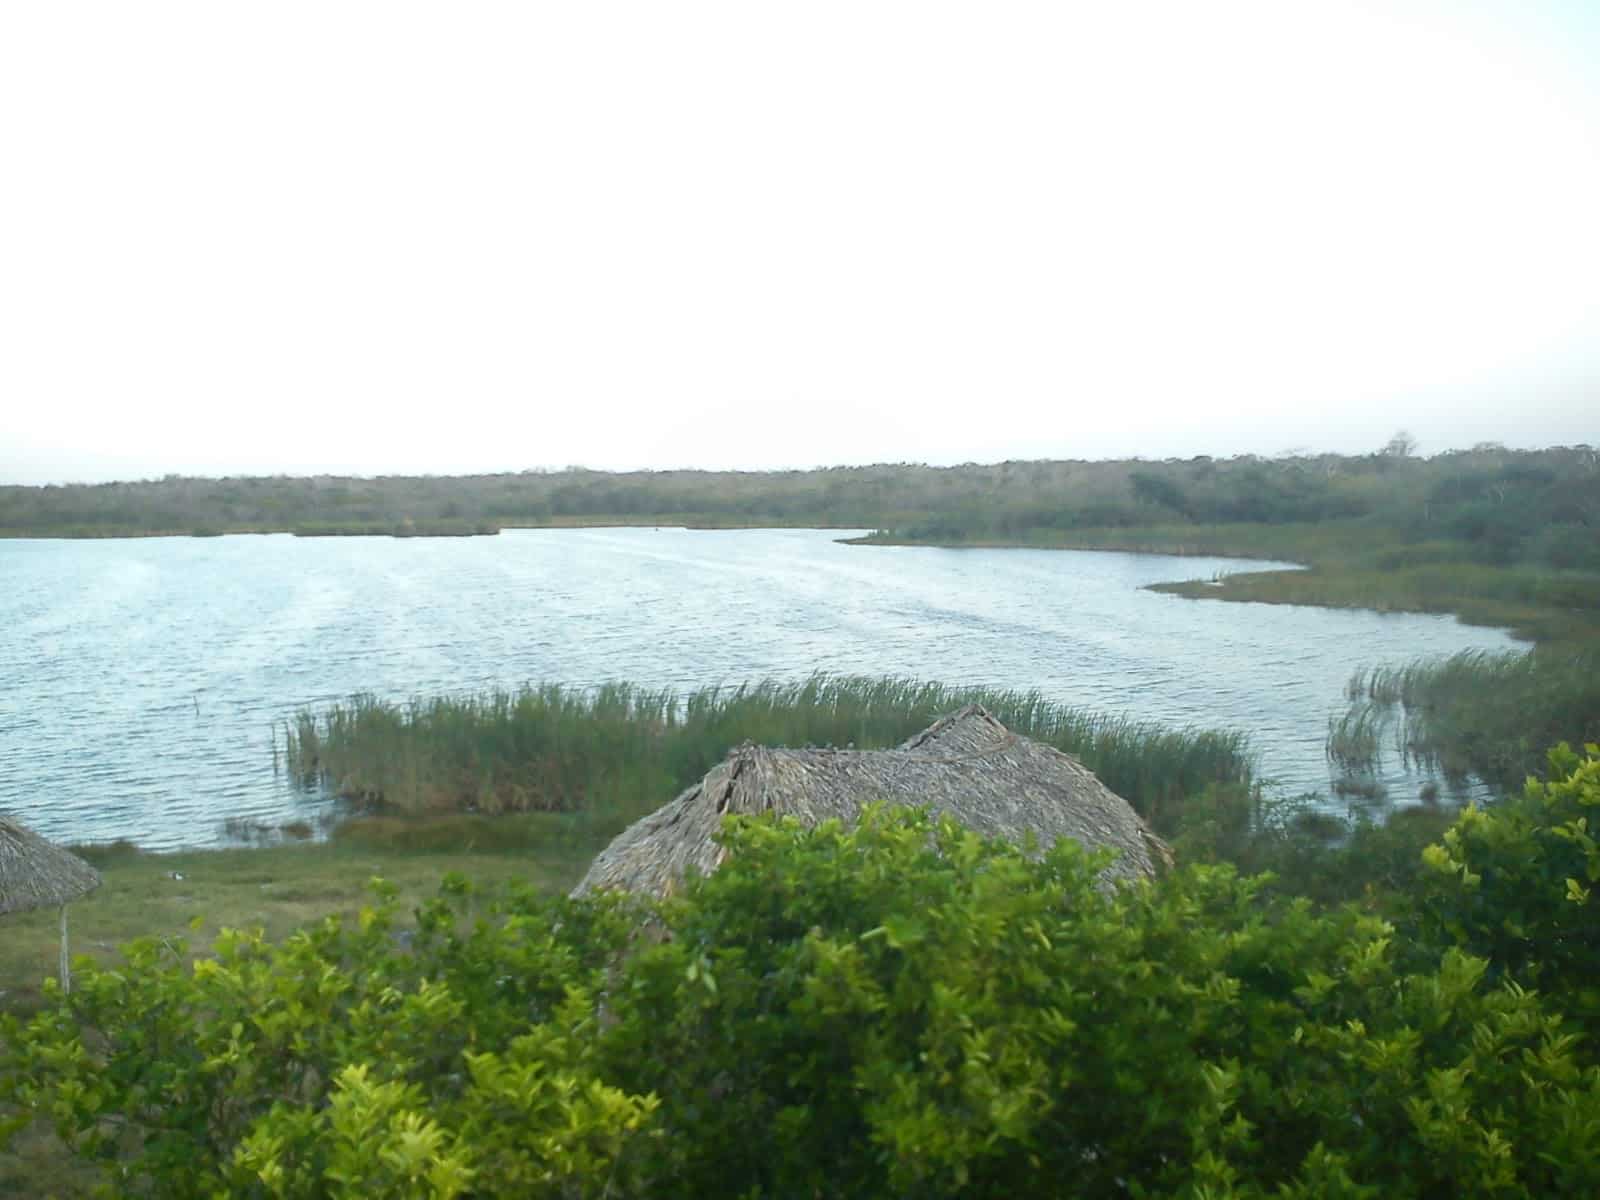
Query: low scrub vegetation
point(901, 1008)
point(1488, 505)
point(1503, 506)
point(619, 751)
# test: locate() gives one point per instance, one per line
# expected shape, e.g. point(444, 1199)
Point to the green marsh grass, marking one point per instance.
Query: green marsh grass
point(1354, 738)
point(1538, 603)
point(618, 751)
point(1488, 714)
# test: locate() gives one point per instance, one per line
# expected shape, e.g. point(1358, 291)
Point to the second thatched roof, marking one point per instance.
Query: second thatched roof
point(35, 873)
point(967, 766)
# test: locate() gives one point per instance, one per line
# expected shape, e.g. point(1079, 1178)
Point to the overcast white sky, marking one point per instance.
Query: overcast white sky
point(400, 237)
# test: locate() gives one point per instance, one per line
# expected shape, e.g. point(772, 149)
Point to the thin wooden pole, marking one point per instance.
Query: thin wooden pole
point(66, 966)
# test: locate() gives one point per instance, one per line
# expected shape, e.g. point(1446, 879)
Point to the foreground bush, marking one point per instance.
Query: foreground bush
point(898, 1009)
point(877, 1013)
point(1516, 883)
point(343, 1062)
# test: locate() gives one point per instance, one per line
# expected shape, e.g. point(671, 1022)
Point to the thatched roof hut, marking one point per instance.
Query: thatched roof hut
point(967, 766)
point(35, 873)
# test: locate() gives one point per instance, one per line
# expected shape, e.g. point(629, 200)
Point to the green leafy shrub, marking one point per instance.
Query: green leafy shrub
point(1515, 883)
point(905, 1009)
point(344, 1061)
point(900, 1008)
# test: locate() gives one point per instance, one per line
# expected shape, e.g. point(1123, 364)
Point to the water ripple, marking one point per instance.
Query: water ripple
point(140, 680)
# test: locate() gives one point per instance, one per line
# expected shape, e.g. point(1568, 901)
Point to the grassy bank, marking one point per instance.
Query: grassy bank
point(620, 751)
point(283, 887)
point(1351, 565)
point(1536, 604)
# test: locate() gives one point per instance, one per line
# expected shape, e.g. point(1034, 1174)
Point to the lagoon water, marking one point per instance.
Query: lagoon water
point(141, 681)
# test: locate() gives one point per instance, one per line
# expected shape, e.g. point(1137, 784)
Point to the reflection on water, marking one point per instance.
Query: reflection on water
point(140, 680)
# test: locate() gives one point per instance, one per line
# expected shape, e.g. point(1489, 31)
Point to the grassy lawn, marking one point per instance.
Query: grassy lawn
point(280, 888)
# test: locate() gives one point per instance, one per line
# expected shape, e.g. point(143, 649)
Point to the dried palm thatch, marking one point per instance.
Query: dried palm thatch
point(966, 766)
point(35, 873)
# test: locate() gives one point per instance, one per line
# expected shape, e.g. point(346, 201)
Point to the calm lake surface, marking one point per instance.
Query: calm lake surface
point(140, 681)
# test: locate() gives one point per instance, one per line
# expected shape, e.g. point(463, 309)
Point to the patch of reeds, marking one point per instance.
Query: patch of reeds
point(1362, 788)
point(1493, 715)
point(617, 751)
point(1354, 738)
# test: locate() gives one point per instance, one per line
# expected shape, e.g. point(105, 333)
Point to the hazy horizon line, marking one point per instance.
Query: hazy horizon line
point(1287, 455)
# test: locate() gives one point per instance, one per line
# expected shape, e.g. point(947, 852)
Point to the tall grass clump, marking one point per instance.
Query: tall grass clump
point(1477, 712)
point(1353, 738)
point(620, 750)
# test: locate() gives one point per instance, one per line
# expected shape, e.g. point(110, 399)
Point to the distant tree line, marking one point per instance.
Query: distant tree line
point(1507, 506)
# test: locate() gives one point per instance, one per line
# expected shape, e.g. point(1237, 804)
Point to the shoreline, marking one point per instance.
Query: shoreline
point(1527, 603)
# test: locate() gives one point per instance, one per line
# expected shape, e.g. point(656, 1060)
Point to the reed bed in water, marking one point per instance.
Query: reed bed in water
point(1489, 714)
point(620, 750)
point(1353, 737)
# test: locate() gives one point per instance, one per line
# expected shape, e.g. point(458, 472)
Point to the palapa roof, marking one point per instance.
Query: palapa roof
point(967, 766)
point(35, 873)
